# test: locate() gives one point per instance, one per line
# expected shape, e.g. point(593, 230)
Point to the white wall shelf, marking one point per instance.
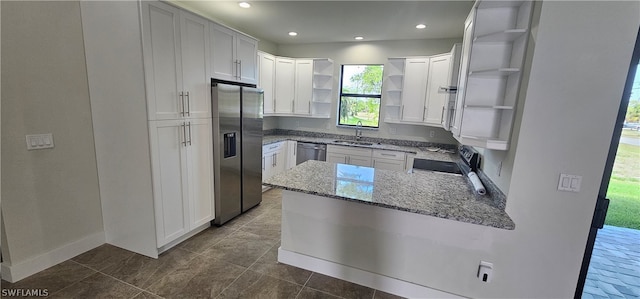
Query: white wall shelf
point(488, 107)
point(500, 72)
point(503, 36)
point(493, 52)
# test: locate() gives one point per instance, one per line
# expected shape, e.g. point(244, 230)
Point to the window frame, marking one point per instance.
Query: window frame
point(358, 95)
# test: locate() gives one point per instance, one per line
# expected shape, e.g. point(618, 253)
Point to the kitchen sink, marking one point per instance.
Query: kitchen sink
point(353, 142)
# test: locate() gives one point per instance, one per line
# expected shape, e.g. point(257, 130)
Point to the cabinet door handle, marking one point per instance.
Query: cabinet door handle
point(424, 113)
point(263, 164)
point(184, 134)
point(181, 96)
point(402, 112)
point(188, 100)
point(273, 160)
point(309, 108)
point(388, 155)
point(240, 68)
point(189, 124)
point(442, 115)
point(293, 106)
point(374, 163)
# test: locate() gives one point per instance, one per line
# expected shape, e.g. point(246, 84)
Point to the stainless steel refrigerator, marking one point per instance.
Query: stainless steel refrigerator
point(237, 148)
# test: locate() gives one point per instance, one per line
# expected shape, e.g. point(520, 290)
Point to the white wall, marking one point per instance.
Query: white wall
point(50, 197)
point(366, 53)
point(575, 84)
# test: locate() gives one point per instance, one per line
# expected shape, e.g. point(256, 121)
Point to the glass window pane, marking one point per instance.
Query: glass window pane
point(354, 109)
point(362, 79)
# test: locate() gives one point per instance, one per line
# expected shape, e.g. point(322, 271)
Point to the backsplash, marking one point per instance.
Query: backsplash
point(398, 142)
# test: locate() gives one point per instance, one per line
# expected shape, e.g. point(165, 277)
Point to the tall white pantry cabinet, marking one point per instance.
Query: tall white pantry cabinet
point(149, 69)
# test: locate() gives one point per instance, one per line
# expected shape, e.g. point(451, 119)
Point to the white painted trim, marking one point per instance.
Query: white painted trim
point(365, 278)
point(13, 273)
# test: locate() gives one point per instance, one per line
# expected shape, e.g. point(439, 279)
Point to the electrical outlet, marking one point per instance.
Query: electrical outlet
point(432, 134)
point(393, 131)
point(485, 271)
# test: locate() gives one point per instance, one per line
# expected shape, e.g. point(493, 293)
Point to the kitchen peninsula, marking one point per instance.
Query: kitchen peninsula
point(374, 227)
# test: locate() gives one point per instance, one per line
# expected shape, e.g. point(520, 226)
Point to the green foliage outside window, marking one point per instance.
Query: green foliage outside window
point(361, 89)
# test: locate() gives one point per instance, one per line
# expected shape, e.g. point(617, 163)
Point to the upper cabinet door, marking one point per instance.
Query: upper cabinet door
point(267, 80)
point(437, 97)
point(163, 69)
point(246, 49)
point(285, 80)
point(223, 48)
point(414, 89)
point(462, 77)
point(304, 86)
point(195, 65)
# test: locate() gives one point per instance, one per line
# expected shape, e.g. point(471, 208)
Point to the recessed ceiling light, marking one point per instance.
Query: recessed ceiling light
point(292, 33)
point(358, 38)
point(421, 26)
point(244, 4)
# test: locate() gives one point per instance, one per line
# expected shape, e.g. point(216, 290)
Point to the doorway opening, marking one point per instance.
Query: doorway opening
point(611, 264)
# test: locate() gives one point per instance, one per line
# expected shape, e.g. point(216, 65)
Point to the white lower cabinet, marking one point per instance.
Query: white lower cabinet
point(274, 159)
point(292, 153)
point(349, 155)
point(182, 171)
point(389, 160)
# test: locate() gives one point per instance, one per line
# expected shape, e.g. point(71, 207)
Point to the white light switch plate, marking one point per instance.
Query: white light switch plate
point(39, 141)
point(569, 182)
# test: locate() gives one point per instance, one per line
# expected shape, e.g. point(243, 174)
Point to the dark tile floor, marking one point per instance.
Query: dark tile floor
point(237, 260)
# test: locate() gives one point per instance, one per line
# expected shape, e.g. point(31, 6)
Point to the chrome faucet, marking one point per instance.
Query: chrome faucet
point(358, 130)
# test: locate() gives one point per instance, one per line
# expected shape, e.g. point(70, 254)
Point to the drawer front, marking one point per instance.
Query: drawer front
point(390, 155)
point(387, 164)
point(269, 148)
point(348, 150)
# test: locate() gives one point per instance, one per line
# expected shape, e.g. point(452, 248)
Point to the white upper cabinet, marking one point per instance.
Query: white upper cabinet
point(437, 89)
point(494, 45)
point(267, 70)
point(195, 65)
point(303, 86)
point(414, 90)
point(417, 90)
point(233, 55)
point(284, 85)
point(246, 54)
point(176, 63)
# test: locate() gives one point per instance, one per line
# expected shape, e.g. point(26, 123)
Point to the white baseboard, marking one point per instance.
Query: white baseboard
point(365, 278)
point(16, 272)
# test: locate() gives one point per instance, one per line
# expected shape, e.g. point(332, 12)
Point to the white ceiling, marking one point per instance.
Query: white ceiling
point(338, 21)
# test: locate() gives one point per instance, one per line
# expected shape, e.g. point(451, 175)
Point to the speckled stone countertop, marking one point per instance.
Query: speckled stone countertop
point(423, 192)
point(420, 152)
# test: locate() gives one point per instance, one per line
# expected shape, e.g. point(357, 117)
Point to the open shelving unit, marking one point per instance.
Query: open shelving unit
point(322, 88)
point(392, 89)
point(494, 44)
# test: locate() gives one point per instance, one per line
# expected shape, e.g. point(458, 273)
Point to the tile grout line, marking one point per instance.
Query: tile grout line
point(79, 280)
point(245, 270)
point(117, 279)
point(304, 285)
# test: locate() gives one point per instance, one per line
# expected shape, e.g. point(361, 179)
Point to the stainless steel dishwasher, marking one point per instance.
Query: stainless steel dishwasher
point(311, 151)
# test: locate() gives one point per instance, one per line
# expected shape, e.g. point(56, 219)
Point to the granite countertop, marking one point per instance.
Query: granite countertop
point(423, 192)
point(421, 152)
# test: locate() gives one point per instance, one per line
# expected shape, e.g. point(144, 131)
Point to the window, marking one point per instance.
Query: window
point(360, 93)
